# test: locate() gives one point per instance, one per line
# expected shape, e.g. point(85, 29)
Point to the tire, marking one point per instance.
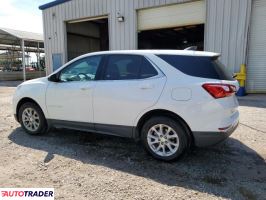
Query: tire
point(32, 119)
point(163, 146)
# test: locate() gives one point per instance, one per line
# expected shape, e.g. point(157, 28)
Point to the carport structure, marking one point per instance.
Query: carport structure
point(22, 41)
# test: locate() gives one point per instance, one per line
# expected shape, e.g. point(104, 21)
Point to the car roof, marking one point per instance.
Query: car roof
point(166, 52)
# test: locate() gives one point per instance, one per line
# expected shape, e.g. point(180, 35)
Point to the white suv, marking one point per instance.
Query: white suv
point(168, 99)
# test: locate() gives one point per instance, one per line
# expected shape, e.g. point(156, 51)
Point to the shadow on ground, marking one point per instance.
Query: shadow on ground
point(10, 83)
point(226, 170)
point(253, 100)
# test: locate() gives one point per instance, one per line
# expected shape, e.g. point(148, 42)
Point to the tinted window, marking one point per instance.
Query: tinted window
point(126, 67)
point(82, 70)
point(205, 67)
point(147, 70)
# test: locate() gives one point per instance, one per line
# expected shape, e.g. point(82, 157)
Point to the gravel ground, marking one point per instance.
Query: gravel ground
point(89, 166)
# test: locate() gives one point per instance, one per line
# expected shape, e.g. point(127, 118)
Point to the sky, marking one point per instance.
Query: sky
point(22, 15)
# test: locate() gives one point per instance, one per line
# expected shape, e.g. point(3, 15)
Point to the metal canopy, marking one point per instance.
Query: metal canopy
point(7, 55)
point(4, 47)
point(10, 38)
point(14, 37)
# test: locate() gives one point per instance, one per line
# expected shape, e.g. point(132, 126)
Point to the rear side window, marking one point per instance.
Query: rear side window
point(147, 70)
point(204, 67)
point(128, 67)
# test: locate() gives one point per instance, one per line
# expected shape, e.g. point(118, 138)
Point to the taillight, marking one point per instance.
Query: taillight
point(219, 90)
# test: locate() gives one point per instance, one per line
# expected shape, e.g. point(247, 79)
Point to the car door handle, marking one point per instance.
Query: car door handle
point(146, 86)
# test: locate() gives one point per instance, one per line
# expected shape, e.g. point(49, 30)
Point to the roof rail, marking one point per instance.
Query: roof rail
point(191, 48)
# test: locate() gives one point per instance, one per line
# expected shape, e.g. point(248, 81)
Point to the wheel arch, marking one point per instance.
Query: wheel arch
point(25, 100)
point(166, 113)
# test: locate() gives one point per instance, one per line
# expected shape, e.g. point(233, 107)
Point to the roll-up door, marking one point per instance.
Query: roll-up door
point(256, 68)
point(172, 16)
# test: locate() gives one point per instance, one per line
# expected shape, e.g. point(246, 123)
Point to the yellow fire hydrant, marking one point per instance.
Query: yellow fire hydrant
point(241, 77)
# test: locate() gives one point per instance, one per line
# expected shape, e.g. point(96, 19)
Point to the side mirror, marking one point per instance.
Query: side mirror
point(54, 78)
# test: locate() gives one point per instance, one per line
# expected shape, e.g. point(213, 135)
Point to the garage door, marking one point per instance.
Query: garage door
point(256, 69)
point(172, 16)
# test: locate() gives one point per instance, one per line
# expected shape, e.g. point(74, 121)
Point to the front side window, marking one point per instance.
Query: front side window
point(128, 67)
point(82, 70)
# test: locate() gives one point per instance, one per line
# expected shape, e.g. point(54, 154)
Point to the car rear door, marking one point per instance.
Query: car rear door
point(129, 85)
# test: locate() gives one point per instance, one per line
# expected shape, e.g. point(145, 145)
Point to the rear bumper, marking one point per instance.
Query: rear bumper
point(203, 139)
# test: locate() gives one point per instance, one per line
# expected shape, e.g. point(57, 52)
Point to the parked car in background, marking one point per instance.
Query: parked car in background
point(170, 100)
point(30, 69)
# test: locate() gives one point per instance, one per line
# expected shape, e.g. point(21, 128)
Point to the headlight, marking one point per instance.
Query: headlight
point(18, 87)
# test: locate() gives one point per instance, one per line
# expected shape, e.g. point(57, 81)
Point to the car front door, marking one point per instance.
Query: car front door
point(129, 85)
point(70, 99)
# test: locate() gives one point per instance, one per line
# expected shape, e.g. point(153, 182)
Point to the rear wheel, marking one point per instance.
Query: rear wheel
point(32, 119)
point(164, 138)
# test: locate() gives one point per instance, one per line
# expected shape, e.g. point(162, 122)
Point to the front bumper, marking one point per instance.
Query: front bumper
point(204, 139)
point(16, 118)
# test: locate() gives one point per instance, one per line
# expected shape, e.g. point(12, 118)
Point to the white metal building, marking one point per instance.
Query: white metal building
point(234, 28)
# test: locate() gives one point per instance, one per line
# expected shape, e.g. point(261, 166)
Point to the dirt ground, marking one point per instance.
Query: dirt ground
point(89, 166)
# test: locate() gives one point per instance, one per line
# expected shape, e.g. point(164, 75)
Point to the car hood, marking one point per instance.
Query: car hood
point(37, 80)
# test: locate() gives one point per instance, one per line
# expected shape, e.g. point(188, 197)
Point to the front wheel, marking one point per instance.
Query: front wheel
point(32, 119)
point(164, 138)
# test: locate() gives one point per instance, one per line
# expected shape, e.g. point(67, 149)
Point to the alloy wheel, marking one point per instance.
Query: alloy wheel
point(31, 119)
point(163, 140)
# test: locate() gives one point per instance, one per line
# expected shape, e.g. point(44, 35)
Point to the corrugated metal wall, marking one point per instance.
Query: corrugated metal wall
point(226, 25)
point(256, 69)
point(122, 35)
point(226, 30)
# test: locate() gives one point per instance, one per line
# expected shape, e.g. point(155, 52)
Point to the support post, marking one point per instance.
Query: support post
point(38, 56)
point(23, 59)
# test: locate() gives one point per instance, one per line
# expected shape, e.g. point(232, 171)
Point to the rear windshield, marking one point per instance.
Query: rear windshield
point(199, 66)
